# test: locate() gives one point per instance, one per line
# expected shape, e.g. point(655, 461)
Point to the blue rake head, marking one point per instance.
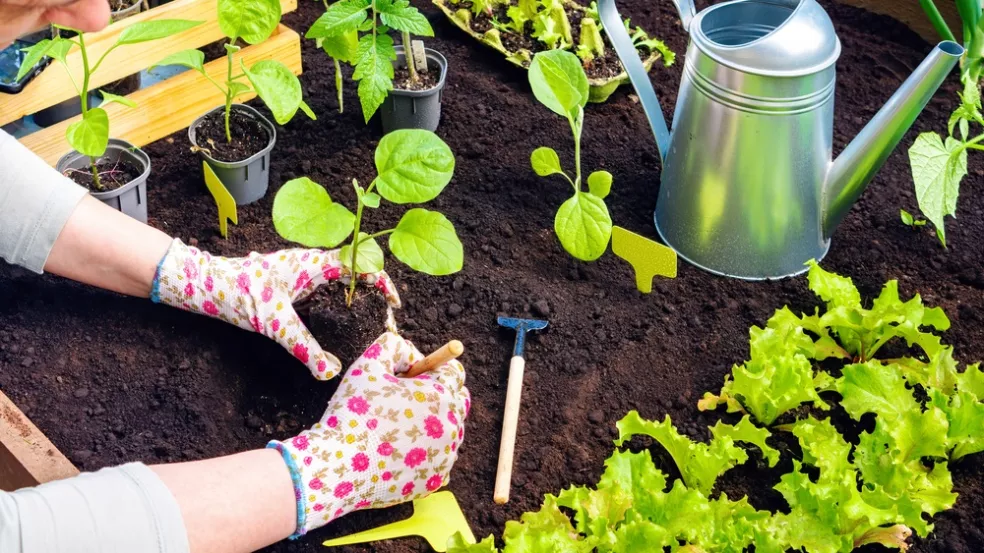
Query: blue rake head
point(521, 326)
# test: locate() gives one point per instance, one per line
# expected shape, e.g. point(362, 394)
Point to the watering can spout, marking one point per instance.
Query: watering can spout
point(856, 166)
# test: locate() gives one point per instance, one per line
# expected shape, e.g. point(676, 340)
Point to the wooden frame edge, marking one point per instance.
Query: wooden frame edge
point(27, 456)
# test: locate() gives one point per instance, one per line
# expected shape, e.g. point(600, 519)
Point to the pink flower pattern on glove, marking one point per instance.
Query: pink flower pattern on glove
point(382, 441)
point(257, 293)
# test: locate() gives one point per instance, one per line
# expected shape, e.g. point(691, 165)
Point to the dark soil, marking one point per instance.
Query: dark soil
point(113, 379)
point(344, 331)
point(248, 136)
point(425, 81)
point(112, 175)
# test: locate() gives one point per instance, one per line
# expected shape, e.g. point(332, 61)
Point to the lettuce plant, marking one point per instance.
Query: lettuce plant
point(89, 136)
point(374, 54)
point(839, 495)
point(939, 164)
point(253, 21)
point(582, 222)
point(413, 166)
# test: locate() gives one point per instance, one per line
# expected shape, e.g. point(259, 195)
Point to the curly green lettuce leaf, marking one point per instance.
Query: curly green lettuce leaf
point(458, 544)
point(548, 529)
point(700, 464)
point(965, 419)
point(747, 432)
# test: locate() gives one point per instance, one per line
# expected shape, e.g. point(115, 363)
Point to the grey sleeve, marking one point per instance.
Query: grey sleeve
point(35, 203)
point(126, 509)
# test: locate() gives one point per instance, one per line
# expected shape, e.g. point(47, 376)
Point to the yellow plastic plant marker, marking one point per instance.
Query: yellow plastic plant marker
point(435, 518)
point(223, 200)
point(647, 257)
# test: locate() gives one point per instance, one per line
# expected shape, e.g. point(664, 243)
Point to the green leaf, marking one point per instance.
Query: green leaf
point(307, 110)
point(559, 82)
point(343, 47)
point(251, 20)
point(403, 17)
point(413, 166)
point(636, 474)
point(937, 169)
point(965, 417)
point(304, 213)
point(875, 388)
point(340, 18)
point(34, 55)
point(700, 464)
point(368, 257)
point(545, 161)
point(747, 432)
point(277, 86)
point(90, 135)
point(600, 183)
point(906, 218)
point(584, 226)
point(374, 71)
point(458, 544)
point(972, 381)
point(236, 88)
point(155, 29)
point(59, 49)
point(371, 200)
point(192, 59)
point(109, 97)
point(426, 242)
point(548, 529)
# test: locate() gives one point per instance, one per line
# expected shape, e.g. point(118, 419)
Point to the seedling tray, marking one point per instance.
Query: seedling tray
point(600, 89)
point(161, 109)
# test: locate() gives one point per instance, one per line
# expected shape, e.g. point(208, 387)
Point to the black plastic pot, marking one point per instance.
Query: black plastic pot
point(131, 198)
point(415, 109)
point(246, 180)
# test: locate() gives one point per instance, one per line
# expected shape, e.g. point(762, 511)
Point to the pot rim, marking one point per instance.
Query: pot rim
point(432, 55)
point(124, 147)
point(264, 122)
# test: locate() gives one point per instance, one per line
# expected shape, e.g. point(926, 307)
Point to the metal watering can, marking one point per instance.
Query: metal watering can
point(749, 186)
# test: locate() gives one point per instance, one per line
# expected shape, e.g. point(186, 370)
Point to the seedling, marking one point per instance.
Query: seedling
point(938, 164)
point(253, 21)
point(413, 166)
point(373, 53)
point(582, 223)
point(89, 136)
point(910, 221)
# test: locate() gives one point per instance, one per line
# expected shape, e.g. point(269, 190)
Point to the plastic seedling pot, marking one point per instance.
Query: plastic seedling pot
point(246, 180)
point(415, 109)
point(126, 85)
point(130, 198)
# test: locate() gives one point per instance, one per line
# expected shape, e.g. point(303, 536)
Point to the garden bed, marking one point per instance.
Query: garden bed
point(111, 379)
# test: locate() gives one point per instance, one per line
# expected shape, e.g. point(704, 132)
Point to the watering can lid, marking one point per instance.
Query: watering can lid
point(802, 44)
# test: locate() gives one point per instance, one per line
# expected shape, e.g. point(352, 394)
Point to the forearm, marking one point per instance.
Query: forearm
point(105, 248)
point(233, 504)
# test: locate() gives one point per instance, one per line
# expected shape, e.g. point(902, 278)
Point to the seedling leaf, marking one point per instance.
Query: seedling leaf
point(559, 82)
point(374, 71)
point(413, 166)
point(251, 20)
point(937, 169)
point(426, 241)
point(109, 97)
point(403, 17)
point(90, 135)
point(545, 161)
point(584, 226)
point(145, 31)
point(277, 86)
point(192, 59)
point(304, 213)
point(340, 18)
point(600, 183)
point(369, 257)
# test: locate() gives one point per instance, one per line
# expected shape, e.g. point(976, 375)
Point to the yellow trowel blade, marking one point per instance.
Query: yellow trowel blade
point(647, 257)
point(435, 518)
point(223, 200)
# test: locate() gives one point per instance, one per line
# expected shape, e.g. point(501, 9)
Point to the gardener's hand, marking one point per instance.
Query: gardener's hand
point(383, 440)
point(256, 292)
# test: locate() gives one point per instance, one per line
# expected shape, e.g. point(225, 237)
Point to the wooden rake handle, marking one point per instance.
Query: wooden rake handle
point(507, 444)
point(449, 351)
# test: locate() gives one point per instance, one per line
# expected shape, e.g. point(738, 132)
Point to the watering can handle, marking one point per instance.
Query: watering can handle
point(611, 21)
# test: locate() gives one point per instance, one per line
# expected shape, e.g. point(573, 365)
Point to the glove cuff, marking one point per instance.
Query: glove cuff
point(295, 478)
point(155, 287)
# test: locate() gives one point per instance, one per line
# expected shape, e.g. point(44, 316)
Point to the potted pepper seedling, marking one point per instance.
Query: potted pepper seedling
point(114, 171)
point(407, 88)
point(412, 166)
point(235, 139)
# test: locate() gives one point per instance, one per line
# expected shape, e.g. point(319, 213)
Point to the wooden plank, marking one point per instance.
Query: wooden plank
point(171, 105)
point(54, 85)
point(27, 457)
point(910, 13)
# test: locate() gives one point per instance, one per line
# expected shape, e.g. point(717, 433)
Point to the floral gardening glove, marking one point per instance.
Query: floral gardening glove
point(256, 293)
point(383, 440)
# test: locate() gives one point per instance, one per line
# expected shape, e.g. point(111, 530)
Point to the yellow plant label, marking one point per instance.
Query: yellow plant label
point(648, 258)
point(223, 200)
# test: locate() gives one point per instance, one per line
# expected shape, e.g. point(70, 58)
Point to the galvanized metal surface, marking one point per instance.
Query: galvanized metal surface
point(749, 188)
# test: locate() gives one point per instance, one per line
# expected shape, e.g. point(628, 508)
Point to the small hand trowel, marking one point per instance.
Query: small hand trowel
point(435, 518)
